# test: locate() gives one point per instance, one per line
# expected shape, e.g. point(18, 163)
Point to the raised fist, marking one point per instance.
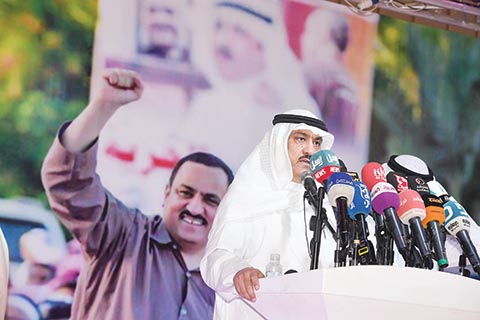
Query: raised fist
point(118, 87)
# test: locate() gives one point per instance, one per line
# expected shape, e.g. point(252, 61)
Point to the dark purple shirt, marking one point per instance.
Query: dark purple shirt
point(134, 270)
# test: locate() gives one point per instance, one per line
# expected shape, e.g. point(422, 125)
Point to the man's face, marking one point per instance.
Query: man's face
point(162, 21)
point(238, 54)
point(301, 145)
point(191, 203)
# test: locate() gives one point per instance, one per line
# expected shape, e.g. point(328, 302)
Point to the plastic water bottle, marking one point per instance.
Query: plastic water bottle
point(274, 268)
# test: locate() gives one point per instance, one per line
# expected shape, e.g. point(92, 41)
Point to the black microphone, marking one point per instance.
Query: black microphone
point(385, 200)
point(397, 180)
point(457, 223)
point(412, 211)
point(343, 168)
point(418, 184)
point(359, 209)
point(340, 191)
point(310, 188)
point(435, 217)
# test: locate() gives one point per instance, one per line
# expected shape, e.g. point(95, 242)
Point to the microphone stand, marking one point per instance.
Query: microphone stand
point(363, 251)
point(385, 251)
point(343, 239)
point(317, 224)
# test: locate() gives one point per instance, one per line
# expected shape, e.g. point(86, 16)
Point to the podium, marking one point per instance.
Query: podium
point(368, 292)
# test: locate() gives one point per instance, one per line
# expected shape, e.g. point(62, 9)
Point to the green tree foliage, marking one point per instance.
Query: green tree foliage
point(426, 103)
point(45, 60)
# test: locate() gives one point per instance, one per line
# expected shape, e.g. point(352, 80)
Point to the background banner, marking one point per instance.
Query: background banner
point(216, 72)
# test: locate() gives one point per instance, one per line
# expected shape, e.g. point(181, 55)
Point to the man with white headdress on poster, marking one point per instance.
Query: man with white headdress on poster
point(324, 43)
point(254, 76)
point(263, 213)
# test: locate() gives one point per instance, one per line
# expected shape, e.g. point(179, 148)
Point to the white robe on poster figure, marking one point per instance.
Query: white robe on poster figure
point(232, 119)
point(229, 119)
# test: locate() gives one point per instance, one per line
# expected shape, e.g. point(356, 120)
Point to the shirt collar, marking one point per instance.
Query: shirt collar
point(161, 236)
point(159, 231)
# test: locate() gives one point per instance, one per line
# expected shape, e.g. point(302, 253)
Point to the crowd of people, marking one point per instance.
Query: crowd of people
point(42, 287)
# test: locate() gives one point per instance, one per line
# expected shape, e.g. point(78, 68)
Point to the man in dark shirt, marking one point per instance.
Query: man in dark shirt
point(138, 267)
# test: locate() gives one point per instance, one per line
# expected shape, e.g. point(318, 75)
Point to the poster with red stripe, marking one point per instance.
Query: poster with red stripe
point(215, 74)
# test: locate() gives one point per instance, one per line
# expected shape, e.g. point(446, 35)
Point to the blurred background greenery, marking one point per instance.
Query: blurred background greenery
point(426, 96)
point(45, 57)
point(427, 103)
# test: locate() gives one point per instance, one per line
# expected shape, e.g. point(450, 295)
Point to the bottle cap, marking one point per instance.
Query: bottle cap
point(275, 257)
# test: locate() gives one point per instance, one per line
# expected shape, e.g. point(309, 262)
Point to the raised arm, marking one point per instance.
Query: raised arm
point(97, 219)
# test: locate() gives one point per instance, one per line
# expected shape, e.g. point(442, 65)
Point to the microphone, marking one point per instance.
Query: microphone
point(323, 163)
point(340, 192)
point(398, 181)
point(343, 168)
point(373, 173)
point(340, 188)
point(362, 203)
point(310, 188)
point(418, 184)
point(435, 217)
point(403, 182)
point(457, 223)
point(385, 200)
point(412, 211)
point(358, 210)
point(438, 190)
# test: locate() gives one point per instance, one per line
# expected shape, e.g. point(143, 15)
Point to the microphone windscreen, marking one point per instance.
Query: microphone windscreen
point(323, 163)
point(456, 217)
point(384, 196)
point(434, 210)
point(398, 181)
point(340, 184)
point(362, 202)
point(373, 173)
point(305, 176)
point(438, 190)
point(411, 205)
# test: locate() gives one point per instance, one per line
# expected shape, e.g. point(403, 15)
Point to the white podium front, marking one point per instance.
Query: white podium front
point(368, 292)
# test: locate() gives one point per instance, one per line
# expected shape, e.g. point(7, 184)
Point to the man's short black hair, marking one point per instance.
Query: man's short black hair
point(206, 159)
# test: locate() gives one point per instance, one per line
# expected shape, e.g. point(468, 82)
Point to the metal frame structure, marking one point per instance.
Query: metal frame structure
point(460, 17)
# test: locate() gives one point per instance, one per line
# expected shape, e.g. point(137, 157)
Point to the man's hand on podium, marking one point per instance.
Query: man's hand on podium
point(246, 282)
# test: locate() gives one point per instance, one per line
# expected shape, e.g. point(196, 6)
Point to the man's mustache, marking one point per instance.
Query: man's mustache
point(186, 212)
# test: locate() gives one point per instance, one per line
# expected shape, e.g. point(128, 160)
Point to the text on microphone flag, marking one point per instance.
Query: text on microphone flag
point(323, 158)
point(456, 218)
point(324, 173)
